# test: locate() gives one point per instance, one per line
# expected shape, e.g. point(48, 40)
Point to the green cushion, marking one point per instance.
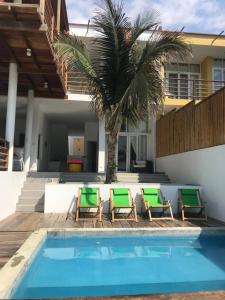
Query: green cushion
point(89, 197)
point(189, 197)
point(152, 197)
point(121, 197)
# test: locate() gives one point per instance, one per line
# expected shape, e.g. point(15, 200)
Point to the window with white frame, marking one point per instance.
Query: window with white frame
point(218, 73)
point(181, 80)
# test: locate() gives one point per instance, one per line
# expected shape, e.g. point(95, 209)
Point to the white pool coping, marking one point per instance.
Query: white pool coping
point(14, 269)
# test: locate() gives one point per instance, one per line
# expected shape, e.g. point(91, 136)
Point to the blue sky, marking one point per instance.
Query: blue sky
point(196, 15)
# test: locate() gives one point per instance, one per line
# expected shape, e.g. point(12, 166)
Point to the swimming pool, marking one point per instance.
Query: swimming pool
point(125, 264)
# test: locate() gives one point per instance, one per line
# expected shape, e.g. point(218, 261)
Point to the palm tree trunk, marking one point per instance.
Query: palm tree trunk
point(112, 146)
point(111, 165)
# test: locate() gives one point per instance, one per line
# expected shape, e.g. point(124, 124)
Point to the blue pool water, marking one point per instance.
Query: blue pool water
point(96, 266)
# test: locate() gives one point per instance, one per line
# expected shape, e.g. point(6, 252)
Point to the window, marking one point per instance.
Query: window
point(181, 80)
point(142, 127)
point(218, 74)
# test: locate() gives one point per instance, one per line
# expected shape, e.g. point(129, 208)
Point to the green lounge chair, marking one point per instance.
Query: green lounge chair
point(89, 199)
point(120, 198)
point(189, 199)
point(153, 198)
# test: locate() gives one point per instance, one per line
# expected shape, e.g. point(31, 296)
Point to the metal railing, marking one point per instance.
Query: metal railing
point(4, 153)
point(193, 89)
point(190, 89)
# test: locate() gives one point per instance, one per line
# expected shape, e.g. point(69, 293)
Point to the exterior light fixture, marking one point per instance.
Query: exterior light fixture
point(46, 85)
point(28, 52)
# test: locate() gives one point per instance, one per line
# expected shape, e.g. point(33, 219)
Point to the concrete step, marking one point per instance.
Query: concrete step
point(34, 186)
point(38, 180)
point(29, 208)
point(43, 175)
point(141, 177)
point(31, 200)
point(33, 194)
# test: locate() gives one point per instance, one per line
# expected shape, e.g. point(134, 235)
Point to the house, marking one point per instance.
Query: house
point(45, 111)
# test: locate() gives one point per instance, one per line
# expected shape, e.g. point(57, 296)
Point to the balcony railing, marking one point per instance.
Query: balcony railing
point(4, 152)
point(193, 89)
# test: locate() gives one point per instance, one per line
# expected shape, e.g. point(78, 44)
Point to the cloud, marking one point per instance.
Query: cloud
point(195, 15)
point(80, 11)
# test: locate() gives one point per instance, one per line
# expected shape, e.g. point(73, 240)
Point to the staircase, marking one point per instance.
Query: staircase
point(143, 178)
point(32, 195)
point(33, 191)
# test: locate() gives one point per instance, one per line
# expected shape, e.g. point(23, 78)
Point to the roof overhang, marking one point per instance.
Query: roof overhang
point(22, 27)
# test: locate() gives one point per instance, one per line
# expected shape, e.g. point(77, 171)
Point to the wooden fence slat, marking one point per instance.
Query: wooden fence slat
point(194, 126)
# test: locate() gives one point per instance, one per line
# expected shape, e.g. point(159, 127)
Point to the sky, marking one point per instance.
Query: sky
point(206, 16)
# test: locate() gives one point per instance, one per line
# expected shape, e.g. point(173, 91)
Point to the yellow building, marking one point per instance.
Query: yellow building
point(199, 75)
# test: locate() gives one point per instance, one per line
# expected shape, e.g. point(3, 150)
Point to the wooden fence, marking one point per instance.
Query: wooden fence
point(4, 151)
point(194, 126)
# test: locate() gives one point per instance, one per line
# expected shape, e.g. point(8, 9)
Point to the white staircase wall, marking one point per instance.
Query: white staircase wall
point(10, 188)
point(61, 198)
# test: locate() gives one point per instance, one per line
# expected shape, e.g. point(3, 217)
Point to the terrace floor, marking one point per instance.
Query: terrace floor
point(15, 229)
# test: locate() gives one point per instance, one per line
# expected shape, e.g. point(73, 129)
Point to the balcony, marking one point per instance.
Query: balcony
point(190, 89)
point(27, 32)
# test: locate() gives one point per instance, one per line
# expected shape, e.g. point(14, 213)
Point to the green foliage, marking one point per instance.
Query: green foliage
point(122, 69)
point(124, 73)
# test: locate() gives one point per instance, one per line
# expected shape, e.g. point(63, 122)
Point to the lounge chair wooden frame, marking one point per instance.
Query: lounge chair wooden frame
point(113, 208)
point(166, 205)
point(201, 206)
point(98, 215)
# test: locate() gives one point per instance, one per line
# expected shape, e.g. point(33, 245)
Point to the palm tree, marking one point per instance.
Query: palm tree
point(124, 73)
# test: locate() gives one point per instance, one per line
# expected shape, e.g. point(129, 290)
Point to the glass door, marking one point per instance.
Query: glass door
point(133, 151)
point(122, 153)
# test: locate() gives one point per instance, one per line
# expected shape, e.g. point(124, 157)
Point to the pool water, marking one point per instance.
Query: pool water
point(122, 265)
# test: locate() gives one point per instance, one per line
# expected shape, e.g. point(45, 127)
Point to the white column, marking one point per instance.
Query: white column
point(11, 111)
point(101, 146)
point(34, 138)
point(29, 128)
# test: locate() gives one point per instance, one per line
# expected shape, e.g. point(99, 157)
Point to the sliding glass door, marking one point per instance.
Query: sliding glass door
point(131, 150)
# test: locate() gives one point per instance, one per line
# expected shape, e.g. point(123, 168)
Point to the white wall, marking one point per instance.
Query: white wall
point(11, 184)
point(40, 127)
point(205, 167)
point(61, 198)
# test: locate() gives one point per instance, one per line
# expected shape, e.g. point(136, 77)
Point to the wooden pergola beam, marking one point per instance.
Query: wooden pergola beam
point(22, 26)
point(11, 51)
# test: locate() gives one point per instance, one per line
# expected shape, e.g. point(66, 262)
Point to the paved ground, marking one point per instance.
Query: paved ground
point(15, 229)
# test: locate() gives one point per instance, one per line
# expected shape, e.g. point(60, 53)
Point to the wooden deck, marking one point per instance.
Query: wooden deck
point(15, 229)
